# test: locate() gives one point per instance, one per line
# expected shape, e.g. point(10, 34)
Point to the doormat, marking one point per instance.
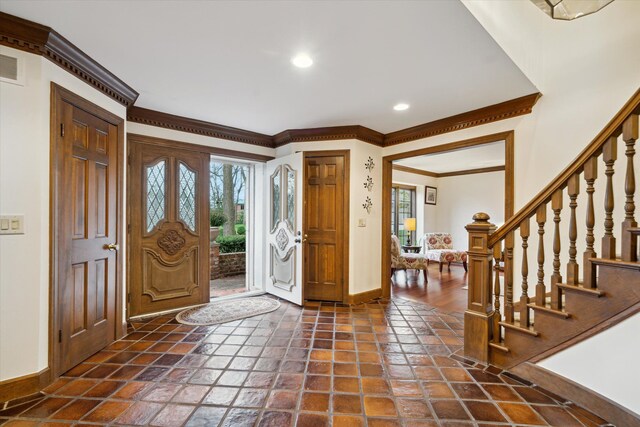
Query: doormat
point(227, 311)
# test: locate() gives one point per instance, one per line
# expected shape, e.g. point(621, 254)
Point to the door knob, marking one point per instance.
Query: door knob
point(304, 238)
point(112, 247)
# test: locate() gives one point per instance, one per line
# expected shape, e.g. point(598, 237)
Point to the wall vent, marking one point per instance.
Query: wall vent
point(11, 70)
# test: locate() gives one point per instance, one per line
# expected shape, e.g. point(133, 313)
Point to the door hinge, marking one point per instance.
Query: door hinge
point(59, 335)
point(128, 228)
point(129, 159)
point(129, 297)
point(61, 129)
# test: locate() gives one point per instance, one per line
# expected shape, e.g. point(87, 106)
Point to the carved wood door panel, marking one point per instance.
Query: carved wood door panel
point(169, 234)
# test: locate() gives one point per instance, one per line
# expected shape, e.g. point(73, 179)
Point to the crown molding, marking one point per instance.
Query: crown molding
point(472, 171)
point(199, 127)
point(41, 40)
point(492, 113)
point(327, 134)
point(401, 168)
point(448, 174)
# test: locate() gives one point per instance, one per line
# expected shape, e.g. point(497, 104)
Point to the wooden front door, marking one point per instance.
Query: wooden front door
point(169, 228)
point(85, 227)
point(326, 217)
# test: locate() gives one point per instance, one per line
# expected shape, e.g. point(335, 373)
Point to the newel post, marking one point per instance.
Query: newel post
point(478, 318)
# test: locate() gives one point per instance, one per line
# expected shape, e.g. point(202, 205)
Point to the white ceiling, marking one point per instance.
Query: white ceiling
point(229, 62)
point(481, 156)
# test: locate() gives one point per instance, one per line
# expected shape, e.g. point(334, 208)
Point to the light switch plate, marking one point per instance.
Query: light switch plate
point(11, 224)
point(362, 222)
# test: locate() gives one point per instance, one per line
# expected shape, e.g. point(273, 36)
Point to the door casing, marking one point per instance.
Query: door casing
point(59, 96)
point(345, 214)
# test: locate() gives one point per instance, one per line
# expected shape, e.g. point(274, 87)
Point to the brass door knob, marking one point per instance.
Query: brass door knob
point(112, 247)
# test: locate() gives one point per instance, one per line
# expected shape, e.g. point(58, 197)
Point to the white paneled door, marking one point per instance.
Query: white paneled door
point(284, 228)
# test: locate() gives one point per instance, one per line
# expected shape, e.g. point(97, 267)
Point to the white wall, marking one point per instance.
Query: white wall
point(460, 197)
point(24, 190)
point(364, 242)
point(426, 215)
point(606, 362)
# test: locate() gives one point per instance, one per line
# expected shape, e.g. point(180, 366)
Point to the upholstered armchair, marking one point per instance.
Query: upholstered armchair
point(406, 261)
point(438, 247)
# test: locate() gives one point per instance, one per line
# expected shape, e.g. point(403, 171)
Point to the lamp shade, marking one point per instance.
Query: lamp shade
point(410, 224)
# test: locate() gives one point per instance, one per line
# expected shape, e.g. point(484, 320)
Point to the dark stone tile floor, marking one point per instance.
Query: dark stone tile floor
point(388, 363)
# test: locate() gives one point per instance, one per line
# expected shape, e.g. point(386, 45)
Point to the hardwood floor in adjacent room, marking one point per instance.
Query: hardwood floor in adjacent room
point(444, 290)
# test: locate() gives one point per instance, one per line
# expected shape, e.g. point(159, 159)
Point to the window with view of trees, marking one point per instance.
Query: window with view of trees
point(403, 205)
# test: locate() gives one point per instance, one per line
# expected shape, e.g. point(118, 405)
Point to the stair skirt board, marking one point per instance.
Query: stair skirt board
point(580, 395)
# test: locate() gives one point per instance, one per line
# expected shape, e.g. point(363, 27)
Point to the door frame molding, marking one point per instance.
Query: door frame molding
point(346, 154)
point(60, 95)
point(387, 180)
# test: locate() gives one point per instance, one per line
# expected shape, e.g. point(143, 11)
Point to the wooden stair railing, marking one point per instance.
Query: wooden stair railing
point(595, 287)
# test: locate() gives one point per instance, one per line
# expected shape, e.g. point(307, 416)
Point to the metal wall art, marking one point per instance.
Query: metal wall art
point(367, 205)
point(368, 184)
point(369, 165)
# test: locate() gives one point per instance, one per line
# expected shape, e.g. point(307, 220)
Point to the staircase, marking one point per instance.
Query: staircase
point(563, 303)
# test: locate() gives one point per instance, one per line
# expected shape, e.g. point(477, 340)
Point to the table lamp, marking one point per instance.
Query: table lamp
point(409, 225)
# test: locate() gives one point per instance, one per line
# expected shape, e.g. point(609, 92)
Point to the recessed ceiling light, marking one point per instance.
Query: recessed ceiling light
point(401, 106)
point(302, 60)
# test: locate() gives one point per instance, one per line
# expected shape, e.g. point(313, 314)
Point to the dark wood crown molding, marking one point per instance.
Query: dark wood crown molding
point(41, 40)
point(200, 127)
point(407, 169)
point(504, 110)
point(448, 174)
point(329, 133)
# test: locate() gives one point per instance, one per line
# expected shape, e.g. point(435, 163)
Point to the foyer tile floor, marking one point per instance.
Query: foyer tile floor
point(388, 363)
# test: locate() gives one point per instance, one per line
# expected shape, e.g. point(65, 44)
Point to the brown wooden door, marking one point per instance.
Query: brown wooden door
point(169, 234)
point(85, 203)
point(325, 222)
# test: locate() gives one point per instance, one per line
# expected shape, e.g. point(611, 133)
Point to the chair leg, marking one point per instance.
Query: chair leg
point(464, 264)
point(426, 278)
point(449, 266)
point(441, 267)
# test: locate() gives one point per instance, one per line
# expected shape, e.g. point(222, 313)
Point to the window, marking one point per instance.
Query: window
point(403, 205)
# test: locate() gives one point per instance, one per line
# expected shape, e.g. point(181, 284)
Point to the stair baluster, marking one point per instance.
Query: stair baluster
point(508, 278)
point(609, 155)
point(541, 218)
point(590, 176)
point(524, 298)
point(497, 317)
point(556, 277)
point(629, 241)
point(572, 265)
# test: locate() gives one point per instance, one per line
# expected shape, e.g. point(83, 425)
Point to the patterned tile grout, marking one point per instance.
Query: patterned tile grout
point(401, 337)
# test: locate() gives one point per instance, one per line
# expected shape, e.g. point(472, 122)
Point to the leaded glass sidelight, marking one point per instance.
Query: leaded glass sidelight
point(276, 201)
point(291, 197)
point(156, 184)
point(187, 196)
